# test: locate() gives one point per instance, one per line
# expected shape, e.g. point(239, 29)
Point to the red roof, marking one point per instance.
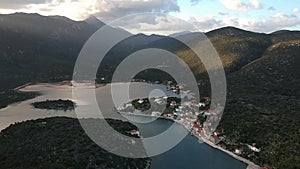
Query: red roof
point(196, 126)
point(241, 148)
point(215, 137)
point(133, 131)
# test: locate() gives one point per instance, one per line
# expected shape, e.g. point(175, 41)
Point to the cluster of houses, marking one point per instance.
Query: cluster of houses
point(194, 116)
point(174, 88)
point(187, 113)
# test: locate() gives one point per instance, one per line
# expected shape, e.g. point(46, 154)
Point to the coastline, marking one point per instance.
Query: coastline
point(22, 87)
point(250, 164)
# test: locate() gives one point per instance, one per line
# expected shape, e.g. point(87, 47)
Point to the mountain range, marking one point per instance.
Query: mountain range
point(262, 73)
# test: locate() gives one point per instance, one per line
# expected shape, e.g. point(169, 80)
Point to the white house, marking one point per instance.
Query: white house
point(253, 148)
point(135, 132)
point(141, 101)
point(239, 151)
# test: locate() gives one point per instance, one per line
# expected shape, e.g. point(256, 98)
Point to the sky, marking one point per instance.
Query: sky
point(171, 16)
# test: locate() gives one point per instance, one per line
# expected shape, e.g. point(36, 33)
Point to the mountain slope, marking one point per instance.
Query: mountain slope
point(263, 106)
point(37, 48)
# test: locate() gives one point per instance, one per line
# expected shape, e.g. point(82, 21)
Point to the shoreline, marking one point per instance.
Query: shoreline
point(67, 83)
point(20, 89)
point(250, 164)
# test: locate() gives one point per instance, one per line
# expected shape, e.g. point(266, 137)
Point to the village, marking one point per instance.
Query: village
point(196, 116)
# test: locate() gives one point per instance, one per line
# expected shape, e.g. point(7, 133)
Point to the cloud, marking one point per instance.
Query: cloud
point(80, 9)
point(15, 4)
point(151, 23)
point(206, 23)
point(255, 4)
point(239, 5)
point(276, 22)
point(109, 9)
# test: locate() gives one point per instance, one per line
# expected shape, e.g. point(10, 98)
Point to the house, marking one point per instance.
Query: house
point(239, 151)
point(141, 101)
point(206, 124)
point(135, 133)
point(128, 105)
point(216, 133)
point(201, 104)
point(214, 139)
point(253, 148)
point(170, 115)
point(173, 103)
point(207, 99)
point(199, 132)
point(196, 127)
point(158, 101)
point(208, 112)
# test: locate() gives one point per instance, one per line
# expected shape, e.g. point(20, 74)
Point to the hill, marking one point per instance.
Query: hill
point(262, 74)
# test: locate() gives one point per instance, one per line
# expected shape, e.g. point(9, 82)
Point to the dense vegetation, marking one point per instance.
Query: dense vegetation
point(263, 105)
point(12, 96)
point(55, 105)
point(60, 143)
point(148, 106)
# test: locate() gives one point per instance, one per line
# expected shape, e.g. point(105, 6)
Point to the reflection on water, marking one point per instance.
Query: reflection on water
point(189, 154)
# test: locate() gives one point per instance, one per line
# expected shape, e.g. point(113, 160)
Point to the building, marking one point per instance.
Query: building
point(254, 148)
point(141, 101)
point(239, 151)
point(196, 127)
point(135, 133)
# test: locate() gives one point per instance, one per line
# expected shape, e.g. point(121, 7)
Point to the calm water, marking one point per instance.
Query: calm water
point(189, 154)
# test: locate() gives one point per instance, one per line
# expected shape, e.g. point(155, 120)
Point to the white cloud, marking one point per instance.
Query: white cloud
point(276, 22)
point(295, 10)
point(120, 8)
point(255, 4)
point(239, 5)
point(80, 9)
point(206, 23)
point(150, 23)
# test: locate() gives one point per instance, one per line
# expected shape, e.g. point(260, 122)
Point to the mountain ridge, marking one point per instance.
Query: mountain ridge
point(262, 74)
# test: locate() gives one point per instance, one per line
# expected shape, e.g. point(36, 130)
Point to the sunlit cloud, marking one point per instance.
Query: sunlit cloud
point(239, 5)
